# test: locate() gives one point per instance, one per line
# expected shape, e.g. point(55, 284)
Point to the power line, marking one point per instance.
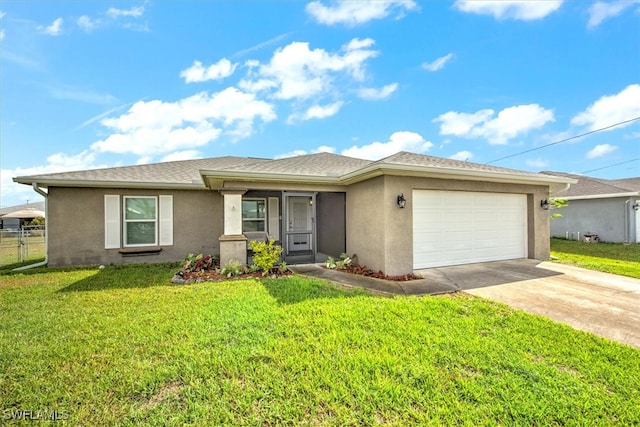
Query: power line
point(565, 140)
point(611, 166)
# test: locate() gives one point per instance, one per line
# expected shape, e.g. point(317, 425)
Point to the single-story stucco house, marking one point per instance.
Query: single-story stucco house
point(609, 209)
point(404, 212)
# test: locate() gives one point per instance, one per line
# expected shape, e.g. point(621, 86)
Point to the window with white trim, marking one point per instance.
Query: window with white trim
point(137, 221)
point(140, 221)
point(254, 215)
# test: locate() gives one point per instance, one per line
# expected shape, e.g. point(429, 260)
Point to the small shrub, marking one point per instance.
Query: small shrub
point(199, 262)
point(231, 268)
point(265, 254)
point(344, 261)
point(282, 267)
point(330, 263)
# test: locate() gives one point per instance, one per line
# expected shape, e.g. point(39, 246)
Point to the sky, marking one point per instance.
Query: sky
point(96, 84)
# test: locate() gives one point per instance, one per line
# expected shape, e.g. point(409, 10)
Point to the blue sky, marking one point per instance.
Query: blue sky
point(99, 84)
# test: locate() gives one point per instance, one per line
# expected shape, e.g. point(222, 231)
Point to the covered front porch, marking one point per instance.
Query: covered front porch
point(309, 225)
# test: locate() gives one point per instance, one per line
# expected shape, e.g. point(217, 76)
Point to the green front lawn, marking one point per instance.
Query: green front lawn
point(123, 346)
point(613, 258)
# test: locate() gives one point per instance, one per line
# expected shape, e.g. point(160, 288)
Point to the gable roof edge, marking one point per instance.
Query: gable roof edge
point(377, 169)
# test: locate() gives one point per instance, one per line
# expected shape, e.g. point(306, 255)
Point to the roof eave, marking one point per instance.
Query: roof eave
point(215, 179)
point(372, 171)
point(600, 196)
point(107, 184)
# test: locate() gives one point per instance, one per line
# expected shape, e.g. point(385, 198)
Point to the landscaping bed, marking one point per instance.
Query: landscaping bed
point(348, 264)
point(199, 268)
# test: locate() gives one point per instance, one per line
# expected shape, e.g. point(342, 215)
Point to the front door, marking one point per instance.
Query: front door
point(299, 242)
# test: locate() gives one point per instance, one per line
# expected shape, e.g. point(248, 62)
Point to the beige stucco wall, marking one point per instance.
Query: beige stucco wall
point(366, 222)
point(382, 234)
point(76, 226)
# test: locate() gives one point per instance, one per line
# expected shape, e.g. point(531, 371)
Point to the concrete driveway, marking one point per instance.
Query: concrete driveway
point(604, 304)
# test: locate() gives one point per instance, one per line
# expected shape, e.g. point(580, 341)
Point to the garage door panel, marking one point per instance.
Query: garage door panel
point(452, 228)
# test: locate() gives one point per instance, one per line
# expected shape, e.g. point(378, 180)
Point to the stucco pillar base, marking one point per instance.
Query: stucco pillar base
point(233, 246)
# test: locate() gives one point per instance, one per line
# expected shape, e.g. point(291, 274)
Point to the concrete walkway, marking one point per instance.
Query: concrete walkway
point(604, 304)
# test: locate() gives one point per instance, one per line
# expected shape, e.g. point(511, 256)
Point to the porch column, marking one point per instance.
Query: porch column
point(233, 244)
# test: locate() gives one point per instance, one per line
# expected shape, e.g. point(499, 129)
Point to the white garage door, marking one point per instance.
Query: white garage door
point(458, 227)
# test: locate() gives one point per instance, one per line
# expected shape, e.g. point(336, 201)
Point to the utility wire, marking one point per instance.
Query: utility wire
point(565, 140)
point(610, 166)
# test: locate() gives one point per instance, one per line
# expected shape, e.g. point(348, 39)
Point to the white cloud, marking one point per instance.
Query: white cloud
point(352, 13)
point(198, 73)
point(601, 11)
point(134, 12)
point(462, 155)
point(439, 63)
point(182, 155)
point(600, 150)
point(2, 14)
point(510, 123)
point(317, 112)
point(294, 153)
point(524, 10)
point(55, 29)
point(538, 163)
point(316, 81)
point(398, 141)
point(611, 109)
point(461, 124)
point(13, 193)
point(153, 127)
point(88, 24)
point(296, 71)
point(124, 18)
point(373, 94)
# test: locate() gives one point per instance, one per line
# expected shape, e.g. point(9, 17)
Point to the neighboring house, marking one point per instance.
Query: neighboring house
point(315, 206)
point(14, 223)
point(608, 208)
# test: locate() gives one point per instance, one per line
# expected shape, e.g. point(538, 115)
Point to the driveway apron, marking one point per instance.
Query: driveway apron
point(605, 304)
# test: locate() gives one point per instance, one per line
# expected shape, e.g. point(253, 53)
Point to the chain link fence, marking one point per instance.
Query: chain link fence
point(24, 244)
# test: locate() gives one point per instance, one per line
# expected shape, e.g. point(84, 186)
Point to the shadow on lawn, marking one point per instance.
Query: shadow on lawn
point(295, 289)
point(125, 277)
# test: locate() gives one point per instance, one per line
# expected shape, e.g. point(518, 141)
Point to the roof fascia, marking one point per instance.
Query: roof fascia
point(107, 184)
point(215, 179)
point(372, 171)
point(600, 196)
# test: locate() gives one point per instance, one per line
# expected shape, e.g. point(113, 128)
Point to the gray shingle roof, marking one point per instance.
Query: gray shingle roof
point(189, 173)
point(630, 183)
point(177, 172)
point(588, 186)
point(406, 158)
point(319, 164)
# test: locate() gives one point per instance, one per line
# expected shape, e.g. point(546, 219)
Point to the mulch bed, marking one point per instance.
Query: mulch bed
point(363, 270)
point(187, 277)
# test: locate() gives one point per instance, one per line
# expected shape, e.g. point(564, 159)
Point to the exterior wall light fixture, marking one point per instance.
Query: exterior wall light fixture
point(401, 201)
point(544, 204)
point(636, 206)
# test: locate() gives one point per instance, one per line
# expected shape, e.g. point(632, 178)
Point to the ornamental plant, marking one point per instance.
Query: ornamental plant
point(265, 254)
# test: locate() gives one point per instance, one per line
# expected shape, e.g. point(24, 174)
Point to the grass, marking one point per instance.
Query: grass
point(613, 258)
point(122, 346)
point(10, 249)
